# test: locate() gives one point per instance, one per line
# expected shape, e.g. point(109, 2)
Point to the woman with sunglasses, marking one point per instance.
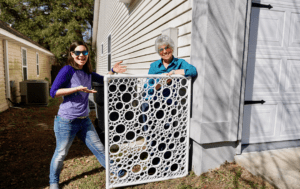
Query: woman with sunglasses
point(73, 82)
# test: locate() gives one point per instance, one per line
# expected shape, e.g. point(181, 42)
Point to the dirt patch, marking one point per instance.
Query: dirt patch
point(27, 143)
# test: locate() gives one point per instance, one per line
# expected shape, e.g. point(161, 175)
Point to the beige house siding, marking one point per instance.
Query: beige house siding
point(135, 27)
point(3, 103)
point(15, 70)
point(44, 65)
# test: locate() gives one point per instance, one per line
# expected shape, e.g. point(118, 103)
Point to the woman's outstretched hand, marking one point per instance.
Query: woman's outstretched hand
point(85, 89)
point(118, 68)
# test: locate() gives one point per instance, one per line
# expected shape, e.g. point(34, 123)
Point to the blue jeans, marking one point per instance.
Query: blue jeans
point(65, 132)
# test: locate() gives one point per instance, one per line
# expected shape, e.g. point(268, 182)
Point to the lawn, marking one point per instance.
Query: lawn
point(27, 143)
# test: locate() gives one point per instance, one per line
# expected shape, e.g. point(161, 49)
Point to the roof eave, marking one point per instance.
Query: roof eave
point(9, 36)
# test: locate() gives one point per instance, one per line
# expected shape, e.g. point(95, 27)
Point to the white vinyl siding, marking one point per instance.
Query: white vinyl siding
point(135, 28)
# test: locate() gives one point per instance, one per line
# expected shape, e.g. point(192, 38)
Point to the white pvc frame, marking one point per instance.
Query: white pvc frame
point(186, 131)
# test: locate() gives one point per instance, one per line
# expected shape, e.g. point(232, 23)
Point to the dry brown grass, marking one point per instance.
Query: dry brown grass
point(27, 144)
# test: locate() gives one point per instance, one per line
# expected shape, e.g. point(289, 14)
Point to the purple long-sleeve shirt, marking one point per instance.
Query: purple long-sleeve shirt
point(76, 104)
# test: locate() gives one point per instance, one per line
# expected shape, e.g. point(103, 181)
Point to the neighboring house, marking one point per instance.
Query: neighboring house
point(20, 59)
point(243, 54)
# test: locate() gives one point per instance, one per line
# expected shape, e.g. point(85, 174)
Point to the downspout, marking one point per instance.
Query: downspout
point(95, 23)
point(6, 70)
point(8, 83)
point(95, 27)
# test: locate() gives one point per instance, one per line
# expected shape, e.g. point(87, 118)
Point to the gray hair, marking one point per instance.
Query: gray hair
point(163, 40)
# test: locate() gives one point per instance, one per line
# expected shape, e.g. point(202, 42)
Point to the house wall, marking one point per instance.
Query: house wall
point(3, 104)
point(135, 27)
point(219, 52)
point(44, 65)
point(212, 35)
point(15, 70)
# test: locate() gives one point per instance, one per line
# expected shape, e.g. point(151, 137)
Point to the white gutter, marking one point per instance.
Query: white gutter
point(95, 23)
point(23, 41)
point(6, 68)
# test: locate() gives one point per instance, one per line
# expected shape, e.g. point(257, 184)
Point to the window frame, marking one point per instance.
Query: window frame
point(37, 64)
point(109, 52)
point(26, 66)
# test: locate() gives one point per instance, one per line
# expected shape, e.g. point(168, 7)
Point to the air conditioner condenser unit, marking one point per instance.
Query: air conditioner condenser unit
point(34, 92)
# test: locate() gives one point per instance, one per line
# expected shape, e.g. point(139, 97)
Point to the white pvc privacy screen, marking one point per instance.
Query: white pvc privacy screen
point(146, 128)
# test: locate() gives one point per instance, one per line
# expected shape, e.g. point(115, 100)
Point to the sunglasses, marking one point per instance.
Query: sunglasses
point(161, 49)
point(77, 53)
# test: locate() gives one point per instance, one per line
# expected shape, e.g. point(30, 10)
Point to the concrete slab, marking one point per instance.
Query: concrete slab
point(279, 167)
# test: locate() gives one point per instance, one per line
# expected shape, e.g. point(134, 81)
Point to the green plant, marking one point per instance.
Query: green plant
point(52, 101)
point(192, 173)
point(184, 186)
point(47, 79)
point(29, 110)
point(238, 173)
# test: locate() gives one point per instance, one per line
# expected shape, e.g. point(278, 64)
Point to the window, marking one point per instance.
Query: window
point(109, 52)
point(37, 65)
point(24, 63)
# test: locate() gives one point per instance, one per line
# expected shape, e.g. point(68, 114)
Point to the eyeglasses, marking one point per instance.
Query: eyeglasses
point(77, 53)
point(161, 49)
